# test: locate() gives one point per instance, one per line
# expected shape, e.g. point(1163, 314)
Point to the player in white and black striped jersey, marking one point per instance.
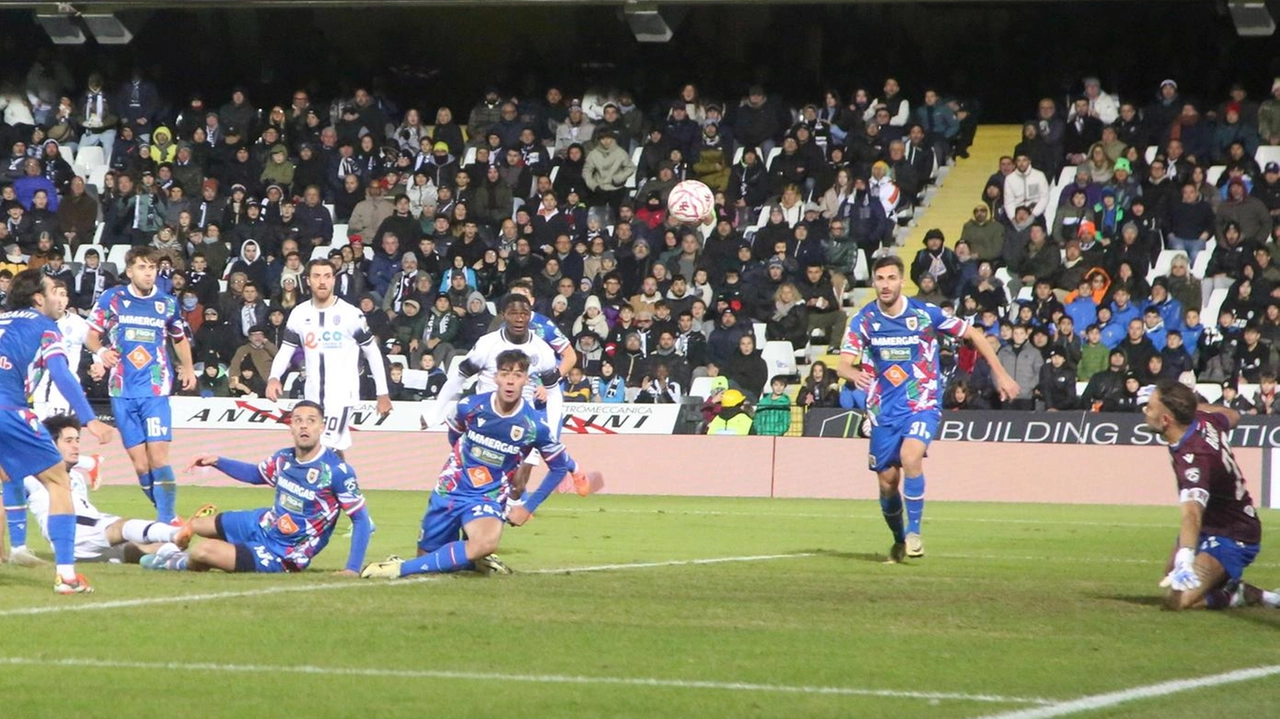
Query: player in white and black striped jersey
point(333, 335)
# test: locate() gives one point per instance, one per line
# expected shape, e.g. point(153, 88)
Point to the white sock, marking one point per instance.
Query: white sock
point(167, 550)
point(1271, 599)
point(142, 531)
point(67, 571)
point(18, 548)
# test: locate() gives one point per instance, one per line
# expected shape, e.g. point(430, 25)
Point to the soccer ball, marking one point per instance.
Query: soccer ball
point(691, 201)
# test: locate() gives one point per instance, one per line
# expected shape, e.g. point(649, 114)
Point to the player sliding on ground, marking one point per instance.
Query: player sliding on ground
point(1220, 528)
point(491, 434)
point(312, 483)
point(895, 339)
point(31, 345)
point(101, 537)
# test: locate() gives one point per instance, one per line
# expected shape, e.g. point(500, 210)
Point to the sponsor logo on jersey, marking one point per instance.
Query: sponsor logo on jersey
point(479, 476)
point(493, 443)
point(895, 354)
point(293, 487)
point(895, 375)
point(138, 334)
point(139, 357)
point(156, 322)
point(291, 503)
point(1192, 475)
point(5, 364)
point(323, 340)
point(286, 525)
point(895, 341)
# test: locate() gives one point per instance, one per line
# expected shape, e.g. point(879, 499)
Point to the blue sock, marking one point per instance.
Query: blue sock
point(62, 535)
point(449, 558)
point(166, 493)
point(913, 492)
point(891, 508)
point(146, 481)
point(15, 512)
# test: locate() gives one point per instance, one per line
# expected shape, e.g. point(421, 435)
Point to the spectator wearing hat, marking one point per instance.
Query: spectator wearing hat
point(1232, 127)
point(1056, 389)
point(757, 122)
point(732, 418)
point(576, 128)
point(1267, 189)
point(938, 261)
point(606, 171)
point(712, 158)
point(745, 368)
point(1164, 109)
point(1246, 211)
point(1232, 398)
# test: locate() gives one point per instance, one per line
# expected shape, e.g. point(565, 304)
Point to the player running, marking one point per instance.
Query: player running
point(1220, 528)
point(891, 351)
point(136, 320)
point(312, 484)
point(100, 537)
point(491, 434)
point(333, 335)
point(48, 402)
point(30, 346)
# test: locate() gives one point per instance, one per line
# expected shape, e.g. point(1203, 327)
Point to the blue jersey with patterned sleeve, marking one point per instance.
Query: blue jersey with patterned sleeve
point(309, 496)
point(489, 447)
point(28, 340)
point(544, 329)
point(903, 351)
point(137, 328)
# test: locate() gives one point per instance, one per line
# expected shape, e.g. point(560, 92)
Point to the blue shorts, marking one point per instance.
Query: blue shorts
point(254, 552)
point(28, 448)
point(447, 514)
point(887, 437)
point(142, 419)
point(1232, 555)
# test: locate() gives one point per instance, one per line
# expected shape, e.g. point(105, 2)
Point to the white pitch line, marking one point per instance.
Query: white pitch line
point(525, 678)
point(1102, 701)
point(815, 515)
point(213, 596)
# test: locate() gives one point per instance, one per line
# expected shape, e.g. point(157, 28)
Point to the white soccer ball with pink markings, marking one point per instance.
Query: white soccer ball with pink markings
point(691, 201)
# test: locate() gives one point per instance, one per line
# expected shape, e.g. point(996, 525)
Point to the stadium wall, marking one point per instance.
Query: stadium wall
point(785, 467)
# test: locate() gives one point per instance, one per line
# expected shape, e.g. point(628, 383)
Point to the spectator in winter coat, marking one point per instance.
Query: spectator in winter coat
point(939, 262)
point(1248, 212)
point(746, 368)
point(1057, 386)
point(606, 171)
point(1023, 362)
point(1026, 187)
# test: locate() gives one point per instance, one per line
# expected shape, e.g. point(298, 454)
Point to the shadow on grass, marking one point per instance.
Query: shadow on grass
point(1141, 600)
point(859, 556)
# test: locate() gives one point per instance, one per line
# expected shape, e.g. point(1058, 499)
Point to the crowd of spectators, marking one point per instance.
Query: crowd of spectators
point(1062, 260)
point(427, 223)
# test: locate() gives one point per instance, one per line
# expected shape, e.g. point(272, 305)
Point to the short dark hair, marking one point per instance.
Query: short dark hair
point(1179, 399)
point(888, 261)
point(524, 283)
point(26, 285)
point(319, 263)
point(512, 298)
point(143, 252)
point(304, 403)
point(512, 359)
point(59, 422)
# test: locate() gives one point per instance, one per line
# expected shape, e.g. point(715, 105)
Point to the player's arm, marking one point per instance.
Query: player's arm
point(456, 378)
point(186, 365)
point(280, 363)
point(559, 464)
point(1193, 499)
point(851, 350)
point(457, 422)
point(568, 358)
point(246, 472)
point(369, 347)
point(69, 385)
point(1008, 387)
point(353, 504)
point(1232, 416)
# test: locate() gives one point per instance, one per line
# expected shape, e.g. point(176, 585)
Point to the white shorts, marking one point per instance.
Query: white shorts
point(91, 540)
point(337, 429)
point(555, 421)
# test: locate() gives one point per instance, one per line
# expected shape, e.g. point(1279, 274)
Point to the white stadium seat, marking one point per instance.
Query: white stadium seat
point(1214, 173)
point(780, 357)
point(339, 234)
point(1066, 177)
point(90, 157)
point(759, 329)
point(700, 387)
point(768, 162)
point(1265, 154)
point(116, 255)
point(320, 252)
point(1152, 151)
point(1209, 313)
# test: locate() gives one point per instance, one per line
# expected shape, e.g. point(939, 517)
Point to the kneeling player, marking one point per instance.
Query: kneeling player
point(491, 435)
point(1220, 529)
point(99, 537)
point(312, 483)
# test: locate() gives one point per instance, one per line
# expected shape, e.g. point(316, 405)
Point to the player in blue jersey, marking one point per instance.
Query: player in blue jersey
point(313, 484)
point(491, 434)
point(891, 351)
point(128, 330)
point(30, 346)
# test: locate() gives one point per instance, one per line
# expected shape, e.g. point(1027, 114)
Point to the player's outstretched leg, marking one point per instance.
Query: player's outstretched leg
point(15, 515)
point(62, 530)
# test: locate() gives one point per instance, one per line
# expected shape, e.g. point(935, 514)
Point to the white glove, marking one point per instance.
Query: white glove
point(1144, 394)
point(1183, 578)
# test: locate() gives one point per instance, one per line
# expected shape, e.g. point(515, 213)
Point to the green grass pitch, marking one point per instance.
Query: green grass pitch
point(1016, 607)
